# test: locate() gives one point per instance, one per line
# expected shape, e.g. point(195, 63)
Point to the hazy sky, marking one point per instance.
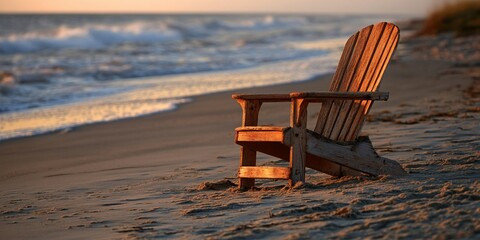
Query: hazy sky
point(414, 7)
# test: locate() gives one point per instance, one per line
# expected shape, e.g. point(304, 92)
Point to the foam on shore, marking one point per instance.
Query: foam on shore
point(157, 94)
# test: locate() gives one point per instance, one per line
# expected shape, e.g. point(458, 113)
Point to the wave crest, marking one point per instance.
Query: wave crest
point(92, 36)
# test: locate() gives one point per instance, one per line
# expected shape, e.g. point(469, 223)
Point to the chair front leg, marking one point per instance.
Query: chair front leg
point(298, 147)
point(248, 157)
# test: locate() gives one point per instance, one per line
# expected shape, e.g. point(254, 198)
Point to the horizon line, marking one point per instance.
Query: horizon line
point(195, 13)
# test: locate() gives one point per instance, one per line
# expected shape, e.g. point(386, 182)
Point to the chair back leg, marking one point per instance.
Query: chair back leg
point(298, 148)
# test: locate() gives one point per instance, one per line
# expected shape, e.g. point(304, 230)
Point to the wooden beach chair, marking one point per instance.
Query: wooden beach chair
point(334, 146)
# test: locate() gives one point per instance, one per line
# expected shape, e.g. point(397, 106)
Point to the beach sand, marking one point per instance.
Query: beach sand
point(172, 174)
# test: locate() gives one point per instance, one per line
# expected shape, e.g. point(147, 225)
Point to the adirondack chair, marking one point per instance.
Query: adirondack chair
point(334, 146)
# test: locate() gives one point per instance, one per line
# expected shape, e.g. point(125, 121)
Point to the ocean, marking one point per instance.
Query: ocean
point(61, 71)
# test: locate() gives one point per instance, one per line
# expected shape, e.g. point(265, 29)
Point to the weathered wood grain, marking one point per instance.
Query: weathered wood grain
point(263, 97)
point(334, 147)
point(264, 172)
point(369, 82)
point(361, 156)
point(248, 157)
point(360, 81)
point(365, 54)
point(344, 84)
point(360, 116)
point(324, 96)
point(262, 134)
point(326, 108)
point(298, 154)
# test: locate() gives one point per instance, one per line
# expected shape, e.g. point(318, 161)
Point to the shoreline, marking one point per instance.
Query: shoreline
point(188, 100)
point(163, 175)
point(150, 95)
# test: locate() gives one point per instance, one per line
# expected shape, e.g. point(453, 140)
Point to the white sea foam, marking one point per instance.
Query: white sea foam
point(156, 94)
point(88, 36)
point(69, 70)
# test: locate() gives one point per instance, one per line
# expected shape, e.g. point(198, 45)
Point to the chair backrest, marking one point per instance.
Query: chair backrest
point(363, 61)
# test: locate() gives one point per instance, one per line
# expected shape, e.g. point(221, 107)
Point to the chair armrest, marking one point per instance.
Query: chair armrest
point(322, 96)
point(263, 97)
point(251, 104)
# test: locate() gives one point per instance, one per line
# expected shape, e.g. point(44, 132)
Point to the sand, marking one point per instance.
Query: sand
point(173, 174)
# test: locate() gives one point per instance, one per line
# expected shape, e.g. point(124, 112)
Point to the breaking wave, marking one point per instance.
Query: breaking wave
point(91, 36)
point(60, 71)
point(95, 36)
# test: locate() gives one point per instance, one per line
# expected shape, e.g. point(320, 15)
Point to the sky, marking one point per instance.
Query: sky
point(410, 7)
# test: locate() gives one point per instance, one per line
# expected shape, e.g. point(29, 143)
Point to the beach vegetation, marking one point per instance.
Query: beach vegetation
point(461, 17)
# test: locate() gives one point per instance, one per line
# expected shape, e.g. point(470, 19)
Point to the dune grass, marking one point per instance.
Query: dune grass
point(461, 17)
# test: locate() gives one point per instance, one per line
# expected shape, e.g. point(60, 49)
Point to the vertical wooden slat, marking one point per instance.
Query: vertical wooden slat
point(347, 79)
point(342, 68)
point(390, 47)
point(361, 67)
point(359, 80)
point(360, 118)
point(366, 82)
point(248, 157)
point(337, 77)
point(298, 148)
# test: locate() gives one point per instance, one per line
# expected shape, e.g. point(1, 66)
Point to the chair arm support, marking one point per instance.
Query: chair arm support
point(263, 97)
point(322, 96)
point(250, 110)
point(251, 104)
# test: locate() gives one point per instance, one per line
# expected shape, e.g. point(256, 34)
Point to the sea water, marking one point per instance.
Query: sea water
point(61, 71)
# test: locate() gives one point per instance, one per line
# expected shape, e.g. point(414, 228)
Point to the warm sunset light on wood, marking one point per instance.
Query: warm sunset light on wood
point(343, 112)
point(239, 119)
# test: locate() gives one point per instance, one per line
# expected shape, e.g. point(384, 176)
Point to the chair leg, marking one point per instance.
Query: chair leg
point(298, 148)
point(248, 157)
point(298, 156)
